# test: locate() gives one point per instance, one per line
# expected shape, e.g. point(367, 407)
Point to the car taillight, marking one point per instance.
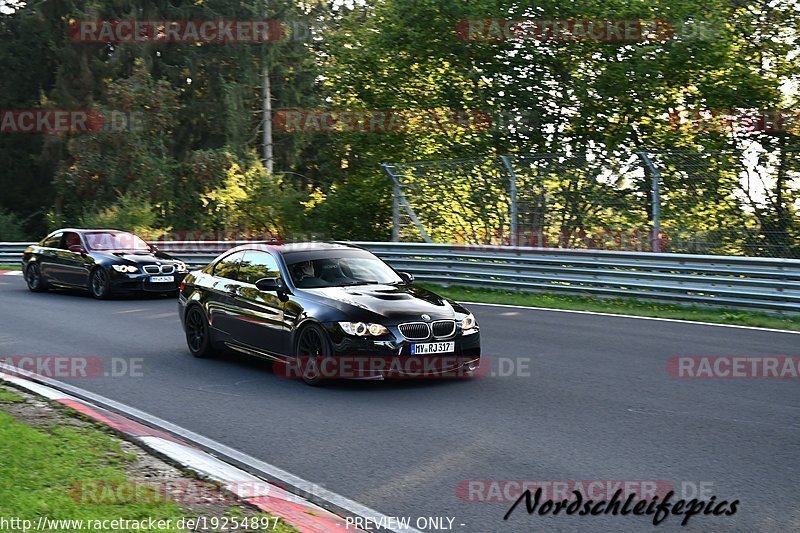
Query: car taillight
point(183, 284)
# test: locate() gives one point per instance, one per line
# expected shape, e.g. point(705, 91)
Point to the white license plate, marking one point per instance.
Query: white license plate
point(433, 347)
point(162, 279)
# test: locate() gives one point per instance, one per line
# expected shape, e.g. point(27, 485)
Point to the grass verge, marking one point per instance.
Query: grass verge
point(46, 455)
point(10, 267)
point(620, 307)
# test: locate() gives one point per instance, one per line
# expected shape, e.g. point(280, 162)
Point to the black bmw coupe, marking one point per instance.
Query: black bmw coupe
point(104, 261)
point(324, 311)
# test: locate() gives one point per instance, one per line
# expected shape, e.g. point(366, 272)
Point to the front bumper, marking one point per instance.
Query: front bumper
point(390, 356)
point(121, 282)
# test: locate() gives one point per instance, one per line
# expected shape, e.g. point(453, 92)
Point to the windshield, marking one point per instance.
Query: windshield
point(122, 241)
point(341, 272)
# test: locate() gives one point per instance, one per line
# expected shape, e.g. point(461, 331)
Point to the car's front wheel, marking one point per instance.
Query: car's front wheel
point(34, 279)
point(198, 336)
point(99, 284)
point(312, 349)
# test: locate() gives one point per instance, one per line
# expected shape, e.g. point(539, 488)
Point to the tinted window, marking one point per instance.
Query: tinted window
point(229, 266)
point(70, 239)
point(338, 268)
point(258, 265)
point(117, 240)
point(53, 241)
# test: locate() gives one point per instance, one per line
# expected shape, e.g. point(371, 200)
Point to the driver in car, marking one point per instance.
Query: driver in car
point(303, 271)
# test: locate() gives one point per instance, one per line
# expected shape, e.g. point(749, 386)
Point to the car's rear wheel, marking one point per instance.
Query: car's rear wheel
point(99, 284)
point(312, 349)
point(34, 279)
point(198, 336)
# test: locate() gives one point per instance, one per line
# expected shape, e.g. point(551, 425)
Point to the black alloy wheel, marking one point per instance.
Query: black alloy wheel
point(99, 284)
point(33, 277)
point(313, 349)
point(198, 337)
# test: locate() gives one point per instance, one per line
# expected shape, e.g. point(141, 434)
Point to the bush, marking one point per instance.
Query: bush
point(129, 213)
point(10, 227)
point(358, 208)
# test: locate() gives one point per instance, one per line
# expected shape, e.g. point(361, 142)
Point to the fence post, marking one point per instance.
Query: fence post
point(395, 204)
point(401, 201)
point(512, 193)
point(655, 239)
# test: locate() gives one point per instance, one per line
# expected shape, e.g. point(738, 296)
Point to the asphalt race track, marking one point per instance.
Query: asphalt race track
point(595, 403)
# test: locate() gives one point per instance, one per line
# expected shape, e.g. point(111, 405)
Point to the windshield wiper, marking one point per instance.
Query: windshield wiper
point(359, 283)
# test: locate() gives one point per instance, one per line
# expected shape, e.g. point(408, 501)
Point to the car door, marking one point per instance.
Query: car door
point(222, 308)
point(48, 256)
point(73, 266)
point(260, 319)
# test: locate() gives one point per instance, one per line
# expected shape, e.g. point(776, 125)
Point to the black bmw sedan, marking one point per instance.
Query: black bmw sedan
point(104, 261)
point(326, 311)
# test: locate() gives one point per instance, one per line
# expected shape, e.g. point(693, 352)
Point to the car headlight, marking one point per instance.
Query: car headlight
point(468, 322)
point(180, 266)
point(363, 329)
point(125, 269)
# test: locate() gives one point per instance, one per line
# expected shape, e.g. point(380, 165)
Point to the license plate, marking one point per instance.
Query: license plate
point(433, 347)
point(162, 279)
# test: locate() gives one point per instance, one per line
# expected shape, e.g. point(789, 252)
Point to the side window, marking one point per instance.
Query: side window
point(229, 266)
point(53, 241)
point(70, 239)
point(258, 265)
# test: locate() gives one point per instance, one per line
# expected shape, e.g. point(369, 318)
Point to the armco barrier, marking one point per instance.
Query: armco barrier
point(763, 283)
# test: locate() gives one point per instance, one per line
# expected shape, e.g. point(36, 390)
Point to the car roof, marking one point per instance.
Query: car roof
point(89, 230)
point(289, 247)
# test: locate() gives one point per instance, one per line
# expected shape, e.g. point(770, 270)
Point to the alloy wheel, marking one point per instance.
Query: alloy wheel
point(99, 283)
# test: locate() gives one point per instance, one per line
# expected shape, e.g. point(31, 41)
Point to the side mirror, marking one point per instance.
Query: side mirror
point(270, 285)
point(153, 248)
point(407, 277)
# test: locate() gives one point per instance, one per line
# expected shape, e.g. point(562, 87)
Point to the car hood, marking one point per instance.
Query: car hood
point(394, 302)
point(140, 258)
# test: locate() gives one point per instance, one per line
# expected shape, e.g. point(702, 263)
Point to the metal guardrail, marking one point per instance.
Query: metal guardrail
point(193, 253)
point(763, 283)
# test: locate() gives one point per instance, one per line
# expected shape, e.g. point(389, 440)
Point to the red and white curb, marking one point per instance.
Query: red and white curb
point(10, 272)
point(189, 450)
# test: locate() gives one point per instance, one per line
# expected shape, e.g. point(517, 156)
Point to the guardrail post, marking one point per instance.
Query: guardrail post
point(512, 193)
point(655, 238)
point(401, 201)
